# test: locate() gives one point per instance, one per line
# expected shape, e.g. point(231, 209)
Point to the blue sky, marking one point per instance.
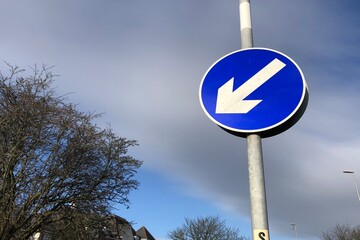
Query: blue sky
point(141, 62)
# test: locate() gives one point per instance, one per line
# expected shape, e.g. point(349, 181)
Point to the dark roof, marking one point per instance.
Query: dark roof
point(144, 233)
point(119, 220)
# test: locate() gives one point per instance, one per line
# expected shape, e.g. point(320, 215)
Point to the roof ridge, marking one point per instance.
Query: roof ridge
point(143, 232)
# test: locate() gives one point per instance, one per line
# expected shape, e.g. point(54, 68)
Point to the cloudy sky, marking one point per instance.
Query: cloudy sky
point(141, 63)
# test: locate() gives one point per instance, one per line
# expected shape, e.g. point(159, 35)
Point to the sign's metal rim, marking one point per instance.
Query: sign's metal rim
point(300, 104)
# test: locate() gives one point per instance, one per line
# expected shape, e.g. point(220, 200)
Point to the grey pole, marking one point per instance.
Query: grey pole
point(259, 218)
point(355, 181)
point(293, 226)
point(245, 24)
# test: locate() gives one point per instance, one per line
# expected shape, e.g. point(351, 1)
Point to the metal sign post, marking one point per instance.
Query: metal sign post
point(254, 93)
point(259, 216)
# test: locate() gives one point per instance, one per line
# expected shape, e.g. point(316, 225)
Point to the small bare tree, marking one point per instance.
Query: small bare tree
point(205, 228)
point(53, 156)
point(342, 232)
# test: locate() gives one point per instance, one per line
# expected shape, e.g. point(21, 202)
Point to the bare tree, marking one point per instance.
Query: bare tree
point(342, 232)
point(53, 156)
point(205, 228)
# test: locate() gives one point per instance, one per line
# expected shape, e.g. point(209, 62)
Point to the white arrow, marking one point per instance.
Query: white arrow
point(230, 101)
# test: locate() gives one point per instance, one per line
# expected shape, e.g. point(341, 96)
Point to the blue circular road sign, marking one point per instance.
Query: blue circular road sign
point(254, 90)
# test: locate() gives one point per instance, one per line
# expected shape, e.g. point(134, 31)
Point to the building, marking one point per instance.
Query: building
point(144, 234)
point(112, 227)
